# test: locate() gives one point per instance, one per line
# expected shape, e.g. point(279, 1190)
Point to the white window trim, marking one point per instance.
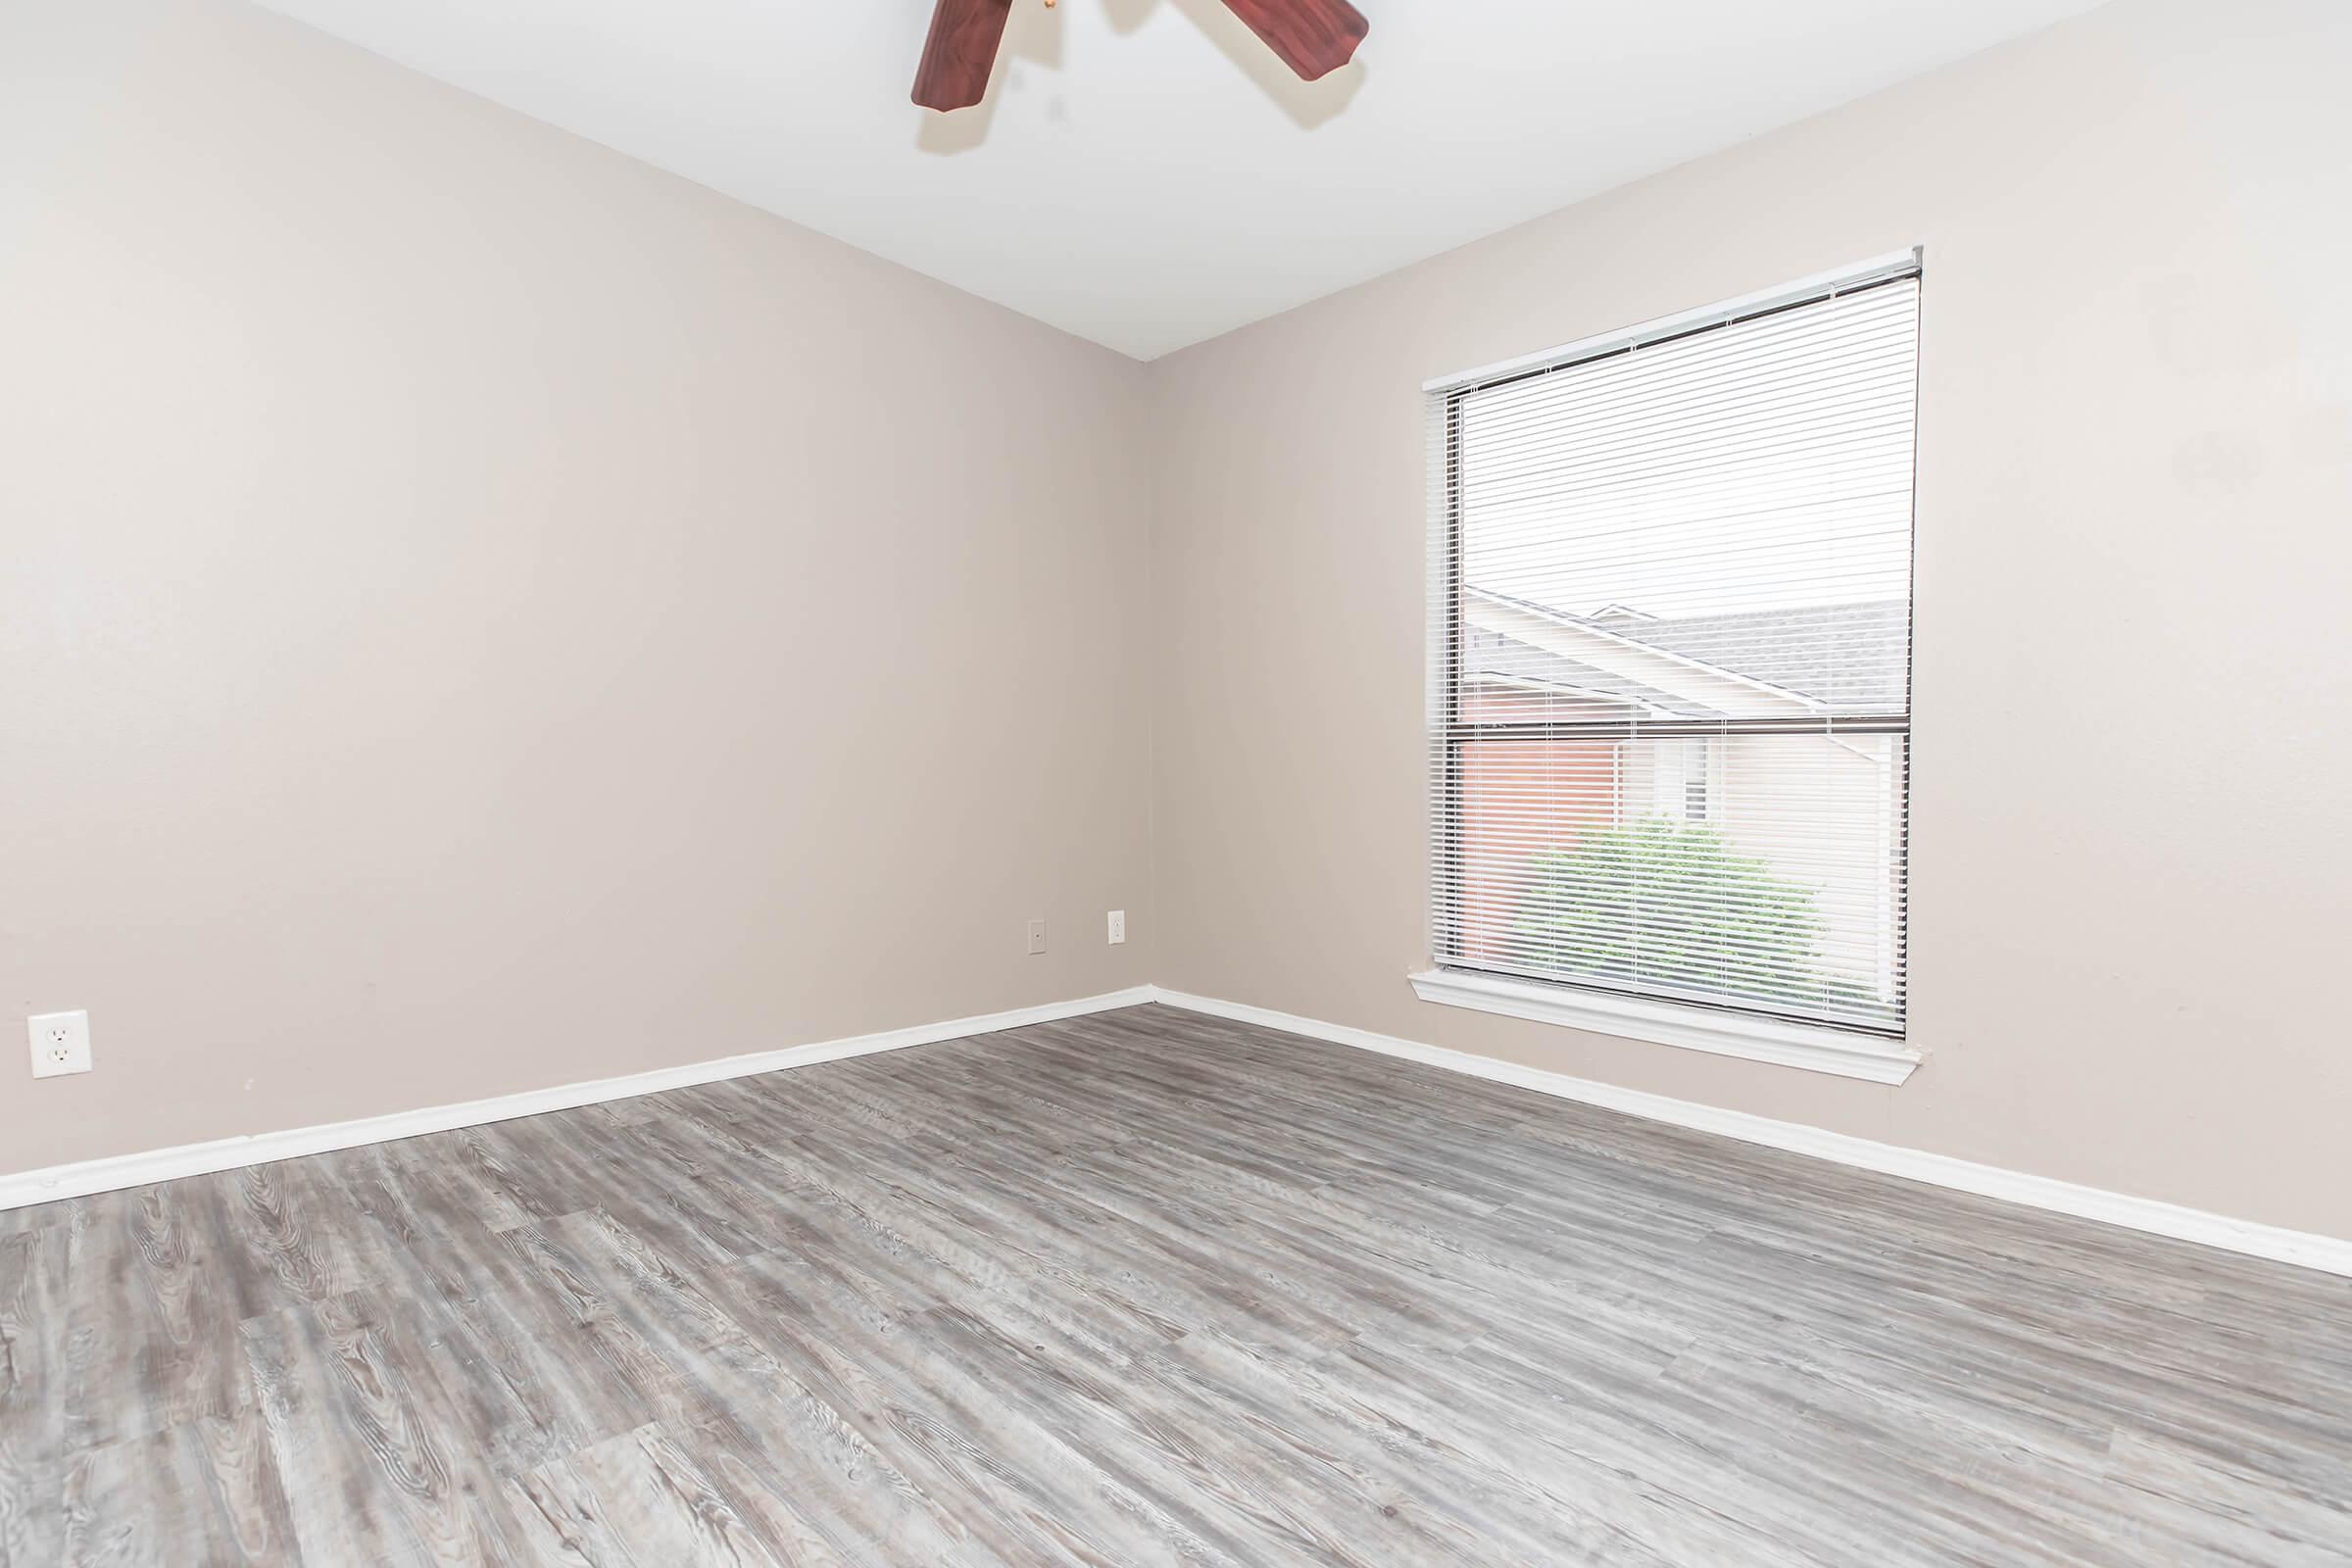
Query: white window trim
point(1816, 1048)
point(1813, 1046)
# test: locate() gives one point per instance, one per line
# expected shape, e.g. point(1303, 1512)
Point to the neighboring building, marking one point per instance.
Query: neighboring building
point(1521, 798)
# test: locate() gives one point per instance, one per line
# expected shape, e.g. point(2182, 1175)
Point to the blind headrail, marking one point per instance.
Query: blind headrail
point(1820, 287)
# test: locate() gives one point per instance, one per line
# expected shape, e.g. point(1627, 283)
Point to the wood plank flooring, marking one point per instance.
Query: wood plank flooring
point(1145, 1288)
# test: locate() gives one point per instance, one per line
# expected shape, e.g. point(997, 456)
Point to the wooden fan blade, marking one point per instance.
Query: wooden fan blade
point(959, 53)
point(1314, 37)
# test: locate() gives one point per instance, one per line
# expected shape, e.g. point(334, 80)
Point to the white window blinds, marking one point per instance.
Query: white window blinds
point(1670, 657)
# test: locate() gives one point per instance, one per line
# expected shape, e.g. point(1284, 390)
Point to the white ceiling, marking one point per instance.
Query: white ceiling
point(1145, 172)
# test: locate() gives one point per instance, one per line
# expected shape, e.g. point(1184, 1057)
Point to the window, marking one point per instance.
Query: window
point(1671, 671)
point(1687, 779)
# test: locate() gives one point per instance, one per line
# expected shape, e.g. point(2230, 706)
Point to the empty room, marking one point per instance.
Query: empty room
point(1175, 782)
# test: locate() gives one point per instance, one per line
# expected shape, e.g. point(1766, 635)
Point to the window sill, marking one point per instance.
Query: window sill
point(1726, 1034)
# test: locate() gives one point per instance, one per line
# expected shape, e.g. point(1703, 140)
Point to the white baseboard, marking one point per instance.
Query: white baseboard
point(260, 1149)
point(2326, 1252)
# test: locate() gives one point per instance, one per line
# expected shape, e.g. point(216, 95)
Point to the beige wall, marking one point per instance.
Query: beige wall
point(477, 614)
point(2132, 874)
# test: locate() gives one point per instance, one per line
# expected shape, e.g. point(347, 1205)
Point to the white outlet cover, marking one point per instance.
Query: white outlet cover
point(1118, 926)
point(59, 1043)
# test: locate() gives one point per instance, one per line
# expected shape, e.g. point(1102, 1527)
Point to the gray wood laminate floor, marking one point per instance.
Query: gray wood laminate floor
point(1142, 1288)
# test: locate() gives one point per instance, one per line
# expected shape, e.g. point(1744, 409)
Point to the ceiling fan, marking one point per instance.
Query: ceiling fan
point(1313, 37)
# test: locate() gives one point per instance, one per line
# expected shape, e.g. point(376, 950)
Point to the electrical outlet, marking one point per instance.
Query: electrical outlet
point(1037, 936)
point(61, 1043)
point(1118, 926)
